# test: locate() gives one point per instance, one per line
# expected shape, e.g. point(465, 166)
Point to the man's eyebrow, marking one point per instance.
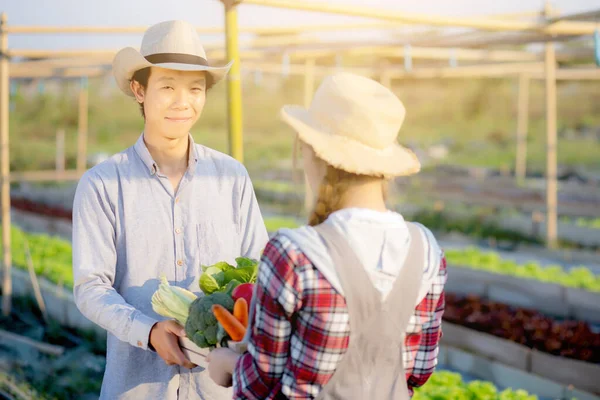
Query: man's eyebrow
point(166, 78)
point(199, 80)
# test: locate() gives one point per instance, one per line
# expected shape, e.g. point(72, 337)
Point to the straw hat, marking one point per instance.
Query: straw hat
point(172, 45)
point(352, 124)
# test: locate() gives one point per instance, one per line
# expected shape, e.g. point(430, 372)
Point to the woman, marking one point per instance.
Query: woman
point(349, 307)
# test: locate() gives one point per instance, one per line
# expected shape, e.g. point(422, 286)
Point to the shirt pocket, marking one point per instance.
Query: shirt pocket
point(217, 240)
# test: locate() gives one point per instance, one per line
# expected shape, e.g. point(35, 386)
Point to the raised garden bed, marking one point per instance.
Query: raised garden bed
point(564, 351)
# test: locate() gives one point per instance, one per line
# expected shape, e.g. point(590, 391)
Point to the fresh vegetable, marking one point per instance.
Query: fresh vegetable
point(571, 339)
point(240, 311)
point(449, 385)
point(224, 277)
point(579, 277)
point(201, 326)
point(172, 301)
point(232, 326)
point(244, 291)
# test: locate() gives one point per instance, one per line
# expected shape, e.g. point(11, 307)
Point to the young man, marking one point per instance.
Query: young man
point(163, 206)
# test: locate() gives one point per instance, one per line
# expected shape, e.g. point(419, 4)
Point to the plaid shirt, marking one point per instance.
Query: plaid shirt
point(301, 330)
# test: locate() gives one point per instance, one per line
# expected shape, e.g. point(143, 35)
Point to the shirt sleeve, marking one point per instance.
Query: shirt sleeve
point(258, 372)
point(424, 344)
point(94, 264)
point(253, 231)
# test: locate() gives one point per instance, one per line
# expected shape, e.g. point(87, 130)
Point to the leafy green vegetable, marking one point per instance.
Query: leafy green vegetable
point(223, 277)
point(202, 326)
point(222, 265)
point(580, 277)
point(445, 385)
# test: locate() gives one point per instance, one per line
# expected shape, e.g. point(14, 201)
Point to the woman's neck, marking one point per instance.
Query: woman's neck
point(365, 195)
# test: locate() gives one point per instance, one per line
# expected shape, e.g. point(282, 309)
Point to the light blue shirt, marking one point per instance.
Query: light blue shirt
point(130, 227)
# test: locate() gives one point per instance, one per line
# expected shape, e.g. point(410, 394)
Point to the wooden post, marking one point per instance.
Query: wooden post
point(309, 81)
point(522, 128)
point(5, 168)
point(234, 88)
point(309, 89)
point(82, 128)
point(385, 78)
point(60, 150)
point(551, 184)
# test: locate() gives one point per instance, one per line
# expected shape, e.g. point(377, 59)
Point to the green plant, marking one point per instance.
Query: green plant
point(580, 277)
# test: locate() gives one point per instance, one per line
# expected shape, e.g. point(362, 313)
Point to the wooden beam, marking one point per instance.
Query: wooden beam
point(551, 123)
point(309, 90)
point(522, 127)
point(45, 176)
point(32, 53)
point(5, 169)
point(559, 28)
point(259, 30)
point(60, 150)
point(82, 126)
point(234, 86)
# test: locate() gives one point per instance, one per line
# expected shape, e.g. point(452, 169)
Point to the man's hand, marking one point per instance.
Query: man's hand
point(164, 339)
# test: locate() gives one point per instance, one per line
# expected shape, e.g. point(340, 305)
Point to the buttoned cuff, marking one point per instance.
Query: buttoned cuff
point(139, 335)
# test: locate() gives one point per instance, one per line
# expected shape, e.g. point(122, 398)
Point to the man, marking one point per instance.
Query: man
point(163, 206)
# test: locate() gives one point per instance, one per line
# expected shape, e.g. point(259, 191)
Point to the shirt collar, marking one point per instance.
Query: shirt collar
point(142, 151)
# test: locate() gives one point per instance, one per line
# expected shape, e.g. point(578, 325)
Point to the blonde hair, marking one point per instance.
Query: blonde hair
point(333, 188)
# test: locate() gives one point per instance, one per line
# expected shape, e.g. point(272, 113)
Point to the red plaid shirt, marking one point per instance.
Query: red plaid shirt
point(301, 330)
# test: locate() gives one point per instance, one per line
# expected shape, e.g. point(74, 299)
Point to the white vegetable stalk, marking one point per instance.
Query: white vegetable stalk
point(172, 301)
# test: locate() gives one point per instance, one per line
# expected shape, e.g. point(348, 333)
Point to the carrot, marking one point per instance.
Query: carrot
point(240, 311)
point(232, 326)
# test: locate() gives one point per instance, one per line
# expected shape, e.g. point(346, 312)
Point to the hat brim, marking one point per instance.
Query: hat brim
point(348, 154)
point(128, 60)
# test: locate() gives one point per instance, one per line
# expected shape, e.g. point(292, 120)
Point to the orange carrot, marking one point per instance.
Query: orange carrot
point(240, 311)
point(232, 326)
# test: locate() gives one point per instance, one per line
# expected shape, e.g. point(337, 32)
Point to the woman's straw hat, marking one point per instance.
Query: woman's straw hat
point(353, 124)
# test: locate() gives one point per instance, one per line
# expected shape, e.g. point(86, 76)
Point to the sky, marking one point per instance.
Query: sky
point(210, 13)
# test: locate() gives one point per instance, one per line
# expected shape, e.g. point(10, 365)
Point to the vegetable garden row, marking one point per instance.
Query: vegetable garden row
point(491, 315)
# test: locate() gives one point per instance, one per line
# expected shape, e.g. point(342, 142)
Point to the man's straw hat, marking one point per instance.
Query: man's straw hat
point(171, 45)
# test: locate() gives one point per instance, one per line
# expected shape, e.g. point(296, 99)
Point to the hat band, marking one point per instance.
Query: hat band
point(180, 58)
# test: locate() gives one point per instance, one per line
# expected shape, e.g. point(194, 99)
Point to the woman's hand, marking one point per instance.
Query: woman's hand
point(221, 363)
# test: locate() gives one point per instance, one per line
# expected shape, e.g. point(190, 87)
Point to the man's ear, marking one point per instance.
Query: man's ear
point(137, 90)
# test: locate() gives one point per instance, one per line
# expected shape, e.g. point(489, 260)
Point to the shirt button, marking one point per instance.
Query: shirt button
point(178, 231)
point(179, 262)
point(139, 343)
point(177, 200)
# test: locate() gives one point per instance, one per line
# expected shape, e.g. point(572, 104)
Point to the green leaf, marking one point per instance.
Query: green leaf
point(245, 262)
point(212, 280)
point(242, 274)
point(231, 285)
point(222, 265)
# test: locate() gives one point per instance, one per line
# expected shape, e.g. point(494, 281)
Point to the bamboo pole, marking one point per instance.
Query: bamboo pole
point(32, 53)
point(234, 88)
point(385, 77)
point(490, 24)
point(60, 150)
point(532, 70)
point(522, 128)
point(50, 73)
point(309, 81)
point(34, 281)
point(5, 168)
point(551, 123)
point(45, 176)
point(82, 126)
point(275, 30)
point(309, 89)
